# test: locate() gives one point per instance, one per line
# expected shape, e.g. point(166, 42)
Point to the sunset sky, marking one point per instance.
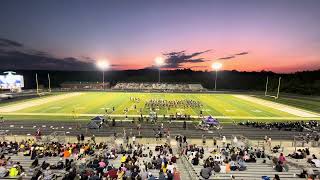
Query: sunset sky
point(279, 35)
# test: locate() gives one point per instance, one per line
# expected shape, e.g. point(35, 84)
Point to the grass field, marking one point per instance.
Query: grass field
point(84, 105)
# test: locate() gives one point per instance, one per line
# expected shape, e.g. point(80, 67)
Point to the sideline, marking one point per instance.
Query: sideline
point(36, 102)
point(281, 107)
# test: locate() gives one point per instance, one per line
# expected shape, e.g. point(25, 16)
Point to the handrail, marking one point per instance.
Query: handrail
point(191, 172)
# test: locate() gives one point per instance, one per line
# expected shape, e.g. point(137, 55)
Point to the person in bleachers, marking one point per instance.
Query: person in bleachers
point(276, 177)
point(3, 171)
point(206, 172)
point(195, 160)
point(303, 174)
point(151, 177)
point(216, 167)
point(233, 165)
point(282, 159)
point(242, 165)
point(297, 155)
point(47, 174)
point(278, 167)
point(161, 175)
point(14, 171)
point(34, 165)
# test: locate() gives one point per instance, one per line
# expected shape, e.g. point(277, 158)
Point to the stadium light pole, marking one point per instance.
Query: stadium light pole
point(216, 66)
point(103, 65)
point(159, 62)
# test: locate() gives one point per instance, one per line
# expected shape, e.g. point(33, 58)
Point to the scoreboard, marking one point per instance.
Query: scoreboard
point(10, 80)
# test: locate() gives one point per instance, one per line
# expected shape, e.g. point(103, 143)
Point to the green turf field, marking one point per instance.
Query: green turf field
point(89, 104)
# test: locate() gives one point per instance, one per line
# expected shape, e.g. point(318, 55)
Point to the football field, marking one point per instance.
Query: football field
point(85, 105)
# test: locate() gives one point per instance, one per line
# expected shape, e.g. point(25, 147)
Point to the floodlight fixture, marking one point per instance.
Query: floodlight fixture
point(216, 66)
point(103, 65)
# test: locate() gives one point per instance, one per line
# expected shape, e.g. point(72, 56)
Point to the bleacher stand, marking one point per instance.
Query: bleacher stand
point(159, 87)
point(238, 162)
point(86, 160)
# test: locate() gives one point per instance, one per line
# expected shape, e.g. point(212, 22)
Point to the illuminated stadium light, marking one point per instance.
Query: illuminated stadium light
point(216, 66)
point(159, 62)
point(103, 65)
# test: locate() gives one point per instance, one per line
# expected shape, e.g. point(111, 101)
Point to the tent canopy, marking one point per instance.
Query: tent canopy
point(97, 118)
point(210, 120)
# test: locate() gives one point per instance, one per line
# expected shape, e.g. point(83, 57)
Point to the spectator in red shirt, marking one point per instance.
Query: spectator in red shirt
point(112, 173)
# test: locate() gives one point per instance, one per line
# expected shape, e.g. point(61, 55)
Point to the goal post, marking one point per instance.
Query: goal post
point(278, 89)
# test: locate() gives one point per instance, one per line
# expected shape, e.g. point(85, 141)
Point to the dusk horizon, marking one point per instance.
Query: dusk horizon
point(278, 36)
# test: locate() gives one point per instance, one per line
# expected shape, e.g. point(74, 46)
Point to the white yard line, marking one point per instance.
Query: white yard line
point(136, 115)
point(285, 108)
point(36, 102)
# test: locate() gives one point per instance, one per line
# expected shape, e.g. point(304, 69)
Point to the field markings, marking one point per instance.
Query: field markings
point(36, 102)
point(256, 110)
point(122, 115)
point(281, 107)
point(230, 110)
point(55, 107)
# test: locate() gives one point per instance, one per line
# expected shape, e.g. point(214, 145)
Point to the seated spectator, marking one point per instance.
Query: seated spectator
point(60, 164)
point(176, 174)
point(206, 172)
point(35, 163)
point(123, 158)
point(173, 159)
point(276, 177)
point(161, 175)
point(151, 177)
point(47, 174)
point(303, 174)
point(135, 174)
point(14, 171)
point(3, 172)
point(216, 167)
point(120, 173)
point(233, 166)
point(281, 158)
point(66, 153)
point(242, 165)
point(278, 167)
point(195, 161)
point(170, 167)
point(112, 173)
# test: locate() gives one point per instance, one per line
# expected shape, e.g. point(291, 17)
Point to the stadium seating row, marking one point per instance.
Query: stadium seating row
point(158, 86)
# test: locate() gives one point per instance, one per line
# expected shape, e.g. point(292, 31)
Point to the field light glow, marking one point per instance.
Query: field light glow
point(103, 64)
point(159, 61)
point(216, 66)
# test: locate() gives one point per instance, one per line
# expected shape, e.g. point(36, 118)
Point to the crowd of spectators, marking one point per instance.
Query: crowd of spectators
point(89, 160)
point(158, 86)
point(280, 163)
point(286, 126)
point(222, 160)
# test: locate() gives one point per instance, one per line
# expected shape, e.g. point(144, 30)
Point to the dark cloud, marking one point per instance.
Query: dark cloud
point(233, 56)
point(14, 55)
point(226, 58)
point(23, 60)
point(177, 59)
point(242, 53)
point(203, 67)
point(9, 43)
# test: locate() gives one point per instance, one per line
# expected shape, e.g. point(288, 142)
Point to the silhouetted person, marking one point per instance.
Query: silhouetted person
point(113, 122)
point(82, 137)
